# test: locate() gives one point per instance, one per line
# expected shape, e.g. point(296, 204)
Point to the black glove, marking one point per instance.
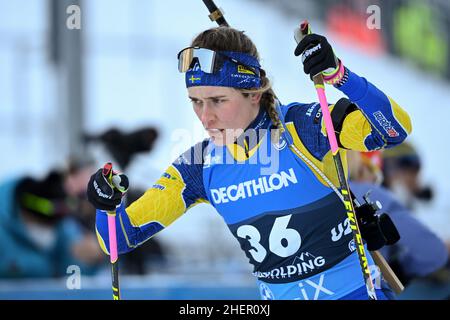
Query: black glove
point(373, 235)
point(105, 195)
point(317, 55)
point(389, 229)
point(376, 230)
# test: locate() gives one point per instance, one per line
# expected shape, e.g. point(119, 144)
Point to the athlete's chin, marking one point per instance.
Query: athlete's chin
point(222, 137)
point(218, 139)
point(217, 136)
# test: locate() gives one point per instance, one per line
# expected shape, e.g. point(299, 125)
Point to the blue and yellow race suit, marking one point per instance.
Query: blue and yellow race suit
point(279, 204)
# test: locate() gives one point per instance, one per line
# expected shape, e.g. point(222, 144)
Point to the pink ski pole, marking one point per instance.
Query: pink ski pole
point(113, 255)
point(345, 190)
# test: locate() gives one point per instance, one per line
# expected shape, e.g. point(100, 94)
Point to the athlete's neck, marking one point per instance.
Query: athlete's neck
point(253, 133)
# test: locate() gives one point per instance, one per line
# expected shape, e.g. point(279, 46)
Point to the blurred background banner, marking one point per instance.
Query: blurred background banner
point(86, 82)
point(417, 31)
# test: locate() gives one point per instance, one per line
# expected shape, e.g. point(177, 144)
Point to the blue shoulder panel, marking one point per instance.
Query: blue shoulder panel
point(307, 120)
point(190, 166)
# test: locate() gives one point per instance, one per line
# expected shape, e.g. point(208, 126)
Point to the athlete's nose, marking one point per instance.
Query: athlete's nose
point(207, 116)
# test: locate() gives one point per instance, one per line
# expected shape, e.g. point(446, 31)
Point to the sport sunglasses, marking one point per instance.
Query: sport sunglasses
point(210, 61)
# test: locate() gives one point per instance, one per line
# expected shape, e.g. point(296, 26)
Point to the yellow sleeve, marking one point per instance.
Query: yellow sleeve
point(164, 202)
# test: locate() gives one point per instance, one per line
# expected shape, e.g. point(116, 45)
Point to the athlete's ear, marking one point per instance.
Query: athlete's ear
point(255, 98)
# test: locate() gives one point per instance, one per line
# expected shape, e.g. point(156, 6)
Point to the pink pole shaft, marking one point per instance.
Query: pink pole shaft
point(327, 119)
point(112, 238)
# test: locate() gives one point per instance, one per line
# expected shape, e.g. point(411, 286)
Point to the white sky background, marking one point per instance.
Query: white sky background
point(132, 80)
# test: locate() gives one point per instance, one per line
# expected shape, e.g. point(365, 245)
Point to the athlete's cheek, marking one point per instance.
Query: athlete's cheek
point(197, 111)
point(232, 119)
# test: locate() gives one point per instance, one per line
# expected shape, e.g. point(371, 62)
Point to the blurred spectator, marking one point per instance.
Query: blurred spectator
point(401, 170)
point(38, 232)
point(419, 252)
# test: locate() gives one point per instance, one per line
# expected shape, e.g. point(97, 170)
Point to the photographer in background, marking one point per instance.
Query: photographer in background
point(39, 231)
point(419, 252)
